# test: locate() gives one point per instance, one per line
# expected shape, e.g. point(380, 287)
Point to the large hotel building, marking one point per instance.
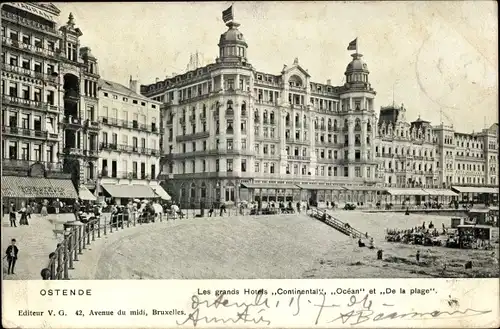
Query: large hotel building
point(49, 105)
point(233, 133)
point(228, 126)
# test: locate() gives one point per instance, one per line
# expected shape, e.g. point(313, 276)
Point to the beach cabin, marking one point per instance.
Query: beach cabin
point(474, 235)
point(479, 216)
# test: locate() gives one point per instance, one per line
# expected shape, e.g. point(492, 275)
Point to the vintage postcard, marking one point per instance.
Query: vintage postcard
point(250, 164)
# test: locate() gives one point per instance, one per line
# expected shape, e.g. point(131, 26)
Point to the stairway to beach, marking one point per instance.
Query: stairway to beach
point(336, 223)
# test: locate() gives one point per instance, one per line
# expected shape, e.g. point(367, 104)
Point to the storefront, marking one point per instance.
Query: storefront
point(120, 194)
point(19, 189)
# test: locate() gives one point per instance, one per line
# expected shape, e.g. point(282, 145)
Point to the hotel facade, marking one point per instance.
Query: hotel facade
point(278, 136)
point(49, 104)
point(233, 133)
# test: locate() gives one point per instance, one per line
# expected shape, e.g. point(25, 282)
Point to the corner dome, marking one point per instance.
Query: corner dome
point(357, 64)
point(232, 35)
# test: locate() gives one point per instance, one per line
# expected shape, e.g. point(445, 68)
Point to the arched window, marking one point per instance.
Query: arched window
point(357, 125)
point(229, 104)
point(243, 108)
point(203, 190)
point(192, 193)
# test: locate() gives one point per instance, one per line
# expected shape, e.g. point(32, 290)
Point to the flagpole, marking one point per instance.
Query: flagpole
point(357, 41)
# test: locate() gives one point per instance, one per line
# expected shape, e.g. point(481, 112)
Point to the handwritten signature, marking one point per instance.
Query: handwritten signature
point(359, 310)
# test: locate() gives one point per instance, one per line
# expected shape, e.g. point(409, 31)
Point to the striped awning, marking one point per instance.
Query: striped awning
point(85, 194)
point(10, 186)
point(320, 187)
point(64, 188)
point(161, 192)
point(440, 192)
point(269, 186)
point(130, 191)
point(37, 187)
point(474, 189)
point(406, 191)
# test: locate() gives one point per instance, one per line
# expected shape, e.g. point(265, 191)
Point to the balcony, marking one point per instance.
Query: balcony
point(190, 137)
point(22, 165)
point(71, 95)
point(73, 151)
point(92, 125)
point(72, 122)
point(91, 153)
point(28, 133)
point(32, 49)
point(108, 147)
point(36, 26)
point(298, 157)
point(27, 103)
point(230, 112)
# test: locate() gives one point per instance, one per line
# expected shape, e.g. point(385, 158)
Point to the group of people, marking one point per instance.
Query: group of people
point(25, 211)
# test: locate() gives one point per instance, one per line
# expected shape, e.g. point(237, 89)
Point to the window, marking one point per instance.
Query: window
point(243, 165)
point(346, 171)
point(217, 165)
point(257, 167)
point(134, 143)
point(25, 92)
point(229, 144)
point(243, 144)
point(357, 171)
point(134, 169)
point(203, 165)
point(25, 153)
point(13, 60)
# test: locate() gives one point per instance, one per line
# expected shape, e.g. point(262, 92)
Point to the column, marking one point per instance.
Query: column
point(364, 146)
point(350, 156)
point(222, 82)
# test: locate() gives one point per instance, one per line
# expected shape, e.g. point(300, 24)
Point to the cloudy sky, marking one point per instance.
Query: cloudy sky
point(434, 55)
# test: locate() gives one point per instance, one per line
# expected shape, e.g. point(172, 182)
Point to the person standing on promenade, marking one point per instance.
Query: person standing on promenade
point(44, 211)
point(57, 205)
point(12, 215)
point(11, 254)
point(24, 215)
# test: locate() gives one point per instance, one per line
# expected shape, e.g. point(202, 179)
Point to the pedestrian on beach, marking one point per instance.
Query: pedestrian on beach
point(417, 256)
point(29, 210)
point(12, 215)
point(44, 211)
point(11, 254)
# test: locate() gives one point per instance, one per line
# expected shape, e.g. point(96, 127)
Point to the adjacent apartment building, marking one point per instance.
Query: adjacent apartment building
point(129, 149)
point(228, 125)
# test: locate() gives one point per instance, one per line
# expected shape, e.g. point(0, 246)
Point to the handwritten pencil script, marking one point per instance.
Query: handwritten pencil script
point(352, 311)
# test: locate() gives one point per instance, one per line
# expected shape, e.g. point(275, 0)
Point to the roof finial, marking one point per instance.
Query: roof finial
point(71, 19)
point(296, 61)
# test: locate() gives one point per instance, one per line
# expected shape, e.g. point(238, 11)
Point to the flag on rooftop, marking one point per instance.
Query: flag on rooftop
point(353, 45)
point(227, 15)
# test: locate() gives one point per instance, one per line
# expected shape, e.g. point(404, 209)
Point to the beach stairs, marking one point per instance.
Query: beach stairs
point(336, 223)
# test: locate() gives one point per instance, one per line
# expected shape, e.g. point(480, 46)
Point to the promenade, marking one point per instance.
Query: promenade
point(35, 242)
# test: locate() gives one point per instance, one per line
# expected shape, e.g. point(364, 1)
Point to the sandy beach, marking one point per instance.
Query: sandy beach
point(279, 247)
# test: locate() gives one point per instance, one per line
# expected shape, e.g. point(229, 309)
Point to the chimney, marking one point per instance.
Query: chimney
point(329, 82)
point(134, 85)
point(157, 79)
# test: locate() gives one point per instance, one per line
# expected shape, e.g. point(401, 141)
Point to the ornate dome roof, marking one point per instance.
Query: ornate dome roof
point(357, 64)
point(232, 35)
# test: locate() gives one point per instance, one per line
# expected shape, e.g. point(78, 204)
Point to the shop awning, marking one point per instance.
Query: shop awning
point(130, 191)
point(440, 192)
point(406, 191)
point(10, 187)
point(64, 188)
point(37, 187)
point(161, 192)
point(85, 194)
point(365, 188)
point(320, 187)
point(270, 186)
point(471, 189)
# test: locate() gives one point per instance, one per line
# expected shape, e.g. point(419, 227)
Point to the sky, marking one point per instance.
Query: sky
point(434, 57)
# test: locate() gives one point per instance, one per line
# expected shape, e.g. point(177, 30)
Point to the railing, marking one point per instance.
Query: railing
point(28, 132)
point(129, 124)
point(337, 224)
point(77, 238)
point(24, 164)
point(29, 23)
